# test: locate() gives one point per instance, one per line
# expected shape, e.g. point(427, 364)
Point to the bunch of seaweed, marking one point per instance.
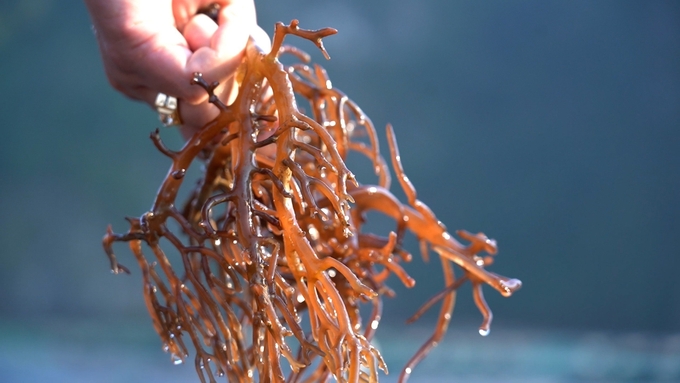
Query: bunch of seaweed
point(276, 260)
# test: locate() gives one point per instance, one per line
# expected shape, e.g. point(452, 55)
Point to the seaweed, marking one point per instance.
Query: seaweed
point(275, 259)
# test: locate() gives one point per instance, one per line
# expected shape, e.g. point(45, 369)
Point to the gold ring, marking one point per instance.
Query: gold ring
point(167, 109)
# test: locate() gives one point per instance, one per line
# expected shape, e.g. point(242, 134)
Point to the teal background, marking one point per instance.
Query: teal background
point(552, 126)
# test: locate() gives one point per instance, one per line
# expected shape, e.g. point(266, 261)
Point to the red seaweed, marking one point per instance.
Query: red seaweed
point(274, 257)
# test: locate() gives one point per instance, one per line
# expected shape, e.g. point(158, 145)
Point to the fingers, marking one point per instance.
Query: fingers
point(162, 65)
point(217, 51)
point(193, 117)
point(151, 47)
point(199, 31)
point(220, 59)
point(213, 50)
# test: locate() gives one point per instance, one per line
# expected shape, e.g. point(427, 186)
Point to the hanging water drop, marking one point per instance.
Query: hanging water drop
point(176, 360)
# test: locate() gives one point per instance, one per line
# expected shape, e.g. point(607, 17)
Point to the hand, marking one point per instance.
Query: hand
point(155, 46)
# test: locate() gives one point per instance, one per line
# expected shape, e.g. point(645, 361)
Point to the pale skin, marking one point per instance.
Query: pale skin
point(152, 46)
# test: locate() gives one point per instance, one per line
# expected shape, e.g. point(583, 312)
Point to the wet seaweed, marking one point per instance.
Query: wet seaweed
point(275, 259)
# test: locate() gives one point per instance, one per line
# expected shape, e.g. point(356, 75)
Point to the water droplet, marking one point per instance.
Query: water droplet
point(313, 233)
point(346, 231)
point(374, 324)
point(176, 360)
point(484, 332)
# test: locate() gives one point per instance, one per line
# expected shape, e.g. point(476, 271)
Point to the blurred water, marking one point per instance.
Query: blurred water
point(66, 351)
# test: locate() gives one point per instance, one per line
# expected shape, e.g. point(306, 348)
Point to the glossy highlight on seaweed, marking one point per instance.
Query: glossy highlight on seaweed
point(274, 257)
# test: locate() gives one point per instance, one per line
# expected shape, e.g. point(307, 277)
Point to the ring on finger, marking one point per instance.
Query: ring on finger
point(167, 108)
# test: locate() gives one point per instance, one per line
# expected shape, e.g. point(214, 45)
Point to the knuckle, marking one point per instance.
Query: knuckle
point(116, 83)
point(193, 95)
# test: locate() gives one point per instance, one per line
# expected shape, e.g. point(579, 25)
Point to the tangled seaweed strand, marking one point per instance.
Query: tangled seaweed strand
point(275, 259)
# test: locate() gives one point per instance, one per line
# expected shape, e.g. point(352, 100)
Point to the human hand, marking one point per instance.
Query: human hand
point(155, 46)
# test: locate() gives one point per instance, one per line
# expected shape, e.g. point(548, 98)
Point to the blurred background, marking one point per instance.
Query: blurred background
point(552, 126)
